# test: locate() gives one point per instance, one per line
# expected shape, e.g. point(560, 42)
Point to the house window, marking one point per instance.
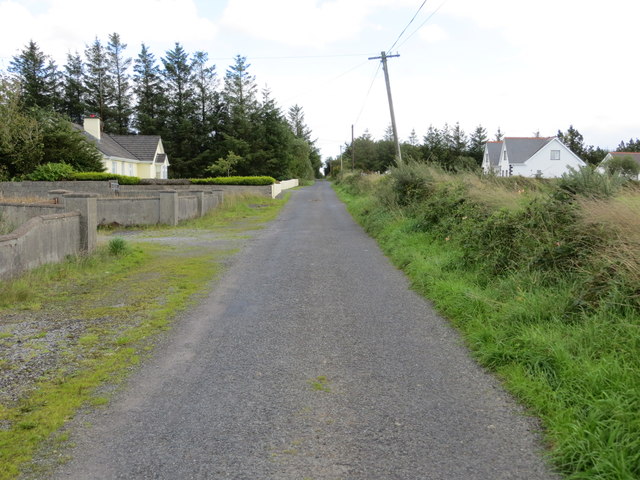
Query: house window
point(114, 167)
point(555, 154)
point(131, 169)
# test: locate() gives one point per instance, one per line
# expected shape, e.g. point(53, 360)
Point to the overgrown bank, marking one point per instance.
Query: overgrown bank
point(543, 279)
point(70, 332)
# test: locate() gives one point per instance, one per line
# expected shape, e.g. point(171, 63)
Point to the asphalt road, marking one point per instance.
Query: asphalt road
point(312, 359)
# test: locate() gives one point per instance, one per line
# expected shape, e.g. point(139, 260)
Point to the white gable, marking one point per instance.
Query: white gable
point(551, 161)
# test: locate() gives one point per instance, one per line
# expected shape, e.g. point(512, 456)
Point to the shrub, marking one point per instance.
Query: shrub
point(51, 172)
point(117, 246)
point(234, 181)
point(588, 182)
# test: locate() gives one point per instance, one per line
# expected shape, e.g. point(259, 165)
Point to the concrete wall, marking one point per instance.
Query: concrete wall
point(128, 211)
point(187, 208)
point(43, 239)
point(41, 189)
point(278, 188)
point(16, 214)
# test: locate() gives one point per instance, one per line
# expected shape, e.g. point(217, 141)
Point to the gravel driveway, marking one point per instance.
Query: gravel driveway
point(311, 359)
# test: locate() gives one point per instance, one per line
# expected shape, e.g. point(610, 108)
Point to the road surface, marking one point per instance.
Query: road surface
point(311, 359)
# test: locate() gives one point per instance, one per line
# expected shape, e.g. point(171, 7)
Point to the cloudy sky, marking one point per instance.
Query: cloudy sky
point(521, 66)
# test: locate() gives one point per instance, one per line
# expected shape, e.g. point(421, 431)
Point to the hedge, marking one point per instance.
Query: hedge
point(234, 181)
point(98, 176)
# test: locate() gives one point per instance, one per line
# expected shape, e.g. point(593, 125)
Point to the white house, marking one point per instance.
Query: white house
point(545, 157)
point(491, 157)
point(140, 156)
point(635, 156)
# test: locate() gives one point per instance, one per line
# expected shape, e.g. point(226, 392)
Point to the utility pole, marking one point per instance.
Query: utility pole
point(353, 151)
point(383, 56)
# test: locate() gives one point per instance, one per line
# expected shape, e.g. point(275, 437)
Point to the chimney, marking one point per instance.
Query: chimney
point(93, 125)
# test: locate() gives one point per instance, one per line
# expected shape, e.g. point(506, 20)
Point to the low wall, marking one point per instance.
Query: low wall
point(187, 208)
point(17, 214)
point(42, 239)
point(278, 188)
point(41, 189)
point(260, 190)
point(128, 211)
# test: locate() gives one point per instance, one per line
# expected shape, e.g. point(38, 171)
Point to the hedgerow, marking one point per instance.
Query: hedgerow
point(234, 181)
point(543, 279)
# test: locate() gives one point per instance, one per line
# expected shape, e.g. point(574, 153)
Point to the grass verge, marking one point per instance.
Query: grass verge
point(85, 322)
point(576, 368)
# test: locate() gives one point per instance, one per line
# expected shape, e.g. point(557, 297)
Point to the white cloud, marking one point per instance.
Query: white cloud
point(433, 33)
point(67, 25)
point(304, 23)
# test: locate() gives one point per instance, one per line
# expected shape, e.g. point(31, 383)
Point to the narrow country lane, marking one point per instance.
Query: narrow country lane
point(312, 359)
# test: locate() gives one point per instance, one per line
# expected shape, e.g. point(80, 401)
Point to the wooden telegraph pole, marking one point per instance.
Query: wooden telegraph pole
point(383, 57)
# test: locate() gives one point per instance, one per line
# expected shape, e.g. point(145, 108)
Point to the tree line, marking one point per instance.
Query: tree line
point(208, 124)
point(450, 147)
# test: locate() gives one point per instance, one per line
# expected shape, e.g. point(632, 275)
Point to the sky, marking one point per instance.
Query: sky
point(522, 67)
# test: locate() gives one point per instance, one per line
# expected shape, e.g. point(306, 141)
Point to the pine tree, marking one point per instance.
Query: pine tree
point(73, 98)
point(181, 112)
point(98, 84)
point(118, 66)
point(37, 76)
point(148, 89)
point(477, 141)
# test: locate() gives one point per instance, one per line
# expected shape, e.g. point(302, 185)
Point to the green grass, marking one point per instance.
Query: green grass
point(578, 370)
point(134, 291)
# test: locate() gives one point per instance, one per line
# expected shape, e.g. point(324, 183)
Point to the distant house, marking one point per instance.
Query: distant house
point(635, 156)
point(545, 157)
point(140, 156)
point(491, 157)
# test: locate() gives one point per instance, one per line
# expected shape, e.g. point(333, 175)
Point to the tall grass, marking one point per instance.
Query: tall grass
point(543, 281)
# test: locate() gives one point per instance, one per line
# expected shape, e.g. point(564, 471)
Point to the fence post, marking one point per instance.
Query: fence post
point(86, 204)
point(168, 207)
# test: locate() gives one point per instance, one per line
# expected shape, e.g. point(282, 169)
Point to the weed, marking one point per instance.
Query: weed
point(320, 383)
point(118, 246)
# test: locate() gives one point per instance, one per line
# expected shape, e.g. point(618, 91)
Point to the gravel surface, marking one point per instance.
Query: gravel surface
point(311, 359)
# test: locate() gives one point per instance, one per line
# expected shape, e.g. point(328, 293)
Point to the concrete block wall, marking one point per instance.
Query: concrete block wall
point(42, 189)
point(16, 214)
point(42, 239)
point(128, 211)
point(188, 207)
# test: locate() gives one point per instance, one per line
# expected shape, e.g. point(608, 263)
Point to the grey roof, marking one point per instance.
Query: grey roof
point(160, 157)
point(143, 147)
point(521, 149)
point(134, 147)
point(493, 149)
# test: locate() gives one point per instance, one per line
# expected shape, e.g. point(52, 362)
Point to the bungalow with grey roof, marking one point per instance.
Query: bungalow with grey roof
point(140, 156)
point(545, 157)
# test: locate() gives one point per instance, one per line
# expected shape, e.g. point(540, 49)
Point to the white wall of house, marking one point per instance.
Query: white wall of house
point(551, 161)
point(503, 171)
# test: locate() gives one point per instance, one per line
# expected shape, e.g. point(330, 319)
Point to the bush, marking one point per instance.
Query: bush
point(51, 172)
point(117, 246)
point(588, 182)
point(234, 181)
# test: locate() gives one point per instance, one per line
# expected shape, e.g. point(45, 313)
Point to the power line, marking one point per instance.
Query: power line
point(407, 26)
point(423, 23)
point(366, 97)
point(292, 57)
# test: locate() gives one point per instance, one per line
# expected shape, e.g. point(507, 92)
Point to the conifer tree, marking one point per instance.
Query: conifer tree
point(73, 98)
point(37, 76)
point(118, 65)
point(98, 84)
point(148, 88)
